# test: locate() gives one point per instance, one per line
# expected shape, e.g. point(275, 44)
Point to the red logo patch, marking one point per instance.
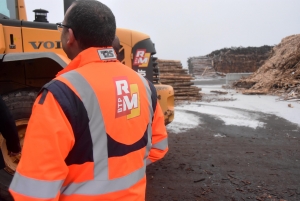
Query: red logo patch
point(127, 98)
point(141, 58)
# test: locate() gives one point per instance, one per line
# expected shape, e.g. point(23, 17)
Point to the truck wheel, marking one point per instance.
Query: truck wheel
point(20, 104)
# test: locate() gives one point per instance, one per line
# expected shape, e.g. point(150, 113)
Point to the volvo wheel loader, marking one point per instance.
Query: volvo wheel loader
point(31, 55)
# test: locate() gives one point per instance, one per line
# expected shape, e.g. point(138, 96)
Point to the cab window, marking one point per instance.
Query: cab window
point(8, 8)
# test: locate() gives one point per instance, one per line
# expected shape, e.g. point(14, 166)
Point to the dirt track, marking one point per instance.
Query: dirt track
point(248, 164)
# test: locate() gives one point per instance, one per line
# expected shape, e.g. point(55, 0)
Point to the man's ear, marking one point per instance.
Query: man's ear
point(71, 37)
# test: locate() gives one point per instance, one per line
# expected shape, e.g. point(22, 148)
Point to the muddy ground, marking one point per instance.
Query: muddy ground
point(245, 164)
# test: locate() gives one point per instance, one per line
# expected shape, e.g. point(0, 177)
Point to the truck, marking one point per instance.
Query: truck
point(31, 55)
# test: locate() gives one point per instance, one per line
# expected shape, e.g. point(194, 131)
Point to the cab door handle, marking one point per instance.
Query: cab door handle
point(12, 45)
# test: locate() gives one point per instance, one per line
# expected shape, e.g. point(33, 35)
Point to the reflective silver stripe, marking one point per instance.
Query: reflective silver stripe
point(96, 123)
point(162, 145)
point(97, 187)
point(149, 144)
point(35, 188)
point(149, 93)
point(148, 161)
point(149, 129)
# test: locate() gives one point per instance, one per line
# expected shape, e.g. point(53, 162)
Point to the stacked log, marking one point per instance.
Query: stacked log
point(201, 66)
point(172, 73)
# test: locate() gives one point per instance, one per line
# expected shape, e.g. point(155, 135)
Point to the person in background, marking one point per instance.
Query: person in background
point(9, 131)
point(116, 45)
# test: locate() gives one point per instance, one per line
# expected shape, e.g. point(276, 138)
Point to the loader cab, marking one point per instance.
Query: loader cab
point(13, 9)
point(8, 9)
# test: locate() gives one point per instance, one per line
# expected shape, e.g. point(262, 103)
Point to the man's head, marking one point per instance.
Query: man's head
point(88, 23)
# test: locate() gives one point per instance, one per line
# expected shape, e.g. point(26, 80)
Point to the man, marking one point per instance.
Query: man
point(9, 131)
point(96, 126)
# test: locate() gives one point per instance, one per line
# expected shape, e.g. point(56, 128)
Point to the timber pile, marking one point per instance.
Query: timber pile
point(280, 75)
point(240, 59)
point(201, 66)
point(172, 73)
point(229, 60)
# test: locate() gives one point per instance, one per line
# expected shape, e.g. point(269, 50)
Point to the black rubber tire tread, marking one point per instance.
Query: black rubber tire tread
point(20, 105)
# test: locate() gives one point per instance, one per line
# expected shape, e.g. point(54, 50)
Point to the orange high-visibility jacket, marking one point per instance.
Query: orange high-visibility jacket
point(92, 131)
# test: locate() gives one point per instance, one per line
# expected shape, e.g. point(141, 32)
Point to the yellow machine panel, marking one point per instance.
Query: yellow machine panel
point(124, 36)
point(41, 40)
point(137, 37)
point(13, 39)
point(22, 10)
point(2, 41)
point(165, 94)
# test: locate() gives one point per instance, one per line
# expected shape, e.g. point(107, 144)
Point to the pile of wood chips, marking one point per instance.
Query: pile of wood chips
point(280, 74)
point(172, 73)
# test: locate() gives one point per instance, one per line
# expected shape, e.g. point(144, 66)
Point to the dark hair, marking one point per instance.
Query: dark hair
point(92, 22)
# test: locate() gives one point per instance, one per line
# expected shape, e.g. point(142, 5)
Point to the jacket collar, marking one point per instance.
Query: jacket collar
point(93, 54)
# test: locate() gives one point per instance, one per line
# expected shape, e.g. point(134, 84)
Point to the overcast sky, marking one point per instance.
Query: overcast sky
point(185, 28)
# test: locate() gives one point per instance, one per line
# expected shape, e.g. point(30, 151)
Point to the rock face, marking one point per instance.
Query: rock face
point(229, 60)
point(281, 72)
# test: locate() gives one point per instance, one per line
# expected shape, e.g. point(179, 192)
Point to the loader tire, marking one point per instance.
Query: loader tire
point(20, 104)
